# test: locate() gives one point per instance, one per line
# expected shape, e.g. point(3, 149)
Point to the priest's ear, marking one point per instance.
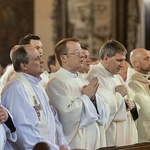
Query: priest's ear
point(136, 64)
point(106, 58)
point(63, 58)
point(23, 66)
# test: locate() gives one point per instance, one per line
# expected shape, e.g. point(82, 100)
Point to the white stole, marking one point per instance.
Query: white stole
point(34, 101)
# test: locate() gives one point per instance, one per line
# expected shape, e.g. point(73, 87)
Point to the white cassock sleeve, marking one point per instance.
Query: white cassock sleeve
point(6, 132)
point(10, 135)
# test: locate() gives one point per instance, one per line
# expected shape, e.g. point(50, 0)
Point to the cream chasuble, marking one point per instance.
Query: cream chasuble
point(141, 86)
point(82, 126)
point(120, 128)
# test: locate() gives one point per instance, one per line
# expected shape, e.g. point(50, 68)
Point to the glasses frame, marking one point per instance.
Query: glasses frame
point(76, 52)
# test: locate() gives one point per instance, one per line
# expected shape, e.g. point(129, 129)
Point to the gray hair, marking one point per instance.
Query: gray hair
point(111, 48)
point(12, 50)
point(20, 55)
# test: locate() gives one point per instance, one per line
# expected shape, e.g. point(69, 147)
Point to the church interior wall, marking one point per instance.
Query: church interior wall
point(43, 24)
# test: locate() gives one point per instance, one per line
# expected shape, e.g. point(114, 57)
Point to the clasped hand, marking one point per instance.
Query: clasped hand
point(91, 88)
point(130, 104)
point(121, 89)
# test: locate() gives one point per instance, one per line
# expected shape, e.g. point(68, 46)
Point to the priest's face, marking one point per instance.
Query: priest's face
point(86, 62)
point(35, 64)
point(124, 69)
point(115, 63)
point(144, 62)
point(38, 45)
point(73, 59)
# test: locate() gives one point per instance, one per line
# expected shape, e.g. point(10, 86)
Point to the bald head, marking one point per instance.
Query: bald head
point(140, 60)
point(136, 54)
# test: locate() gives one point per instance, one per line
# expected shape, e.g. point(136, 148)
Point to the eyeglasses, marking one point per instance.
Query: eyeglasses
point(77, 52)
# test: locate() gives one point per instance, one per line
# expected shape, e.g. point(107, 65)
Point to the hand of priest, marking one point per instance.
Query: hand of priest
point(121, 89)
point(91, 88)
point(3, 115)
point(130, 104)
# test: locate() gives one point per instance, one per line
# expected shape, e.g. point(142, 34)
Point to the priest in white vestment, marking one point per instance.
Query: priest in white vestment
point(35, 118)
point(75, 100)
point(138, 79)
point(120, 127)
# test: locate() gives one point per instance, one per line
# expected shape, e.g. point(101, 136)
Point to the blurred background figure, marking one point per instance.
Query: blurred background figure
point(94, 60)
point(52, 64)
point(124, 69)
point(86, 62)
point(9, 70)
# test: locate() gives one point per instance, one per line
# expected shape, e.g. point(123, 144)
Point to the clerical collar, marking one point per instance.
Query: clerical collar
point(105, 70)
point(32, 78)
point(110, 74)
point(74, 75)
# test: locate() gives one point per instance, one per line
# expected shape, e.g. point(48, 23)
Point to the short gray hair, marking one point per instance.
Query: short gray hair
point(111, 48)
point(20, 55)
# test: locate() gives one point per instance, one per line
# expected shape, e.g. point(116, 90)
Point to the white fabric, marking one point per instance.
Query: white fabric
point(82, 75)
point(6, 76)
point(3, 137)
point(120, 128)
point(32, 94)
point(141, 86)
point(6, 133)
point(45, 78)
point(17, 97)
point(81, 123)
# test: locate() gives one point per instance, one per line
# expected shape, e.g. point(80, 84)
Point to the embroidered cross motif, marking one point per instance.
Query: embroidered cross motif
point(72, 101)
point(37, 107)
